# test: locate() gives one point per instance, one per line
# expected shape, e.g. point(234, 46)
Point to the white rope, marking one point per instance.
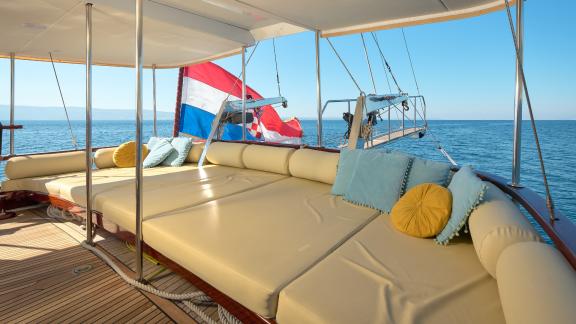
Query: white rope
point(138, 284)
point(410, 59)
point(344, 65)
point(198, 311)
point(226, 317)
point(74, 141)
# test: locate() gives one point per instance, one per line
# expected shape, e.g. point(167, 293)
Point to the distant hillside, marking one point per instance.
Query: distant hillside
point(76, 113)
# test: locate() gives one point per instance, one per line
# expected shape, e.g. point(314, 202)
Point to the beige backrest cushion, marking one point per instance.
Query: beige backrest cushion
point(195, 152)
point(267, 158)
point(496, 224)
point(103, 158)
point(228, 154)
point(536, 285)
point(314, 165)
point(45, 164)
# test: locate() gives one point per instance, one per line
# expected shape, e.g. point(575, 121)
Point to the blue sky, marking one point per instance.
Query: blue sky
point(465, 69)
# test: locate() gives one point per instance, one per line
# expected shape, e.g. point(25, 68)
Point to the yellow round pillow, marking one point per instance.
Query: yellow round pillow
point(423, 211)
point(125, 155)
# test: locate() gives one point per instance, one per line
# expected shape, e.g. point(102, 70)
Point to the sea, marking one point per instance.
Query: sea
point(485, 145)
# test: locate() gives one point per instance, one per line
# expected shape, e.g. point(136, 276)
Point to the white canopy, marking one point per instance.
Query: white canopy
point(182, 32)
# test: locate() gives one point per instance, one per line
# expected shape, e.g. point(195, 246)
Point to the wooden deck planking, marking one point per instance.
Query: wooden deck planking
point(37, 282)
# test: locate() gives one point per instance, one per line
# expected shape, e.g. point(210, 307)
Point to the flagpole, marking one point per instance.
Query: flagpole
point(243, 93)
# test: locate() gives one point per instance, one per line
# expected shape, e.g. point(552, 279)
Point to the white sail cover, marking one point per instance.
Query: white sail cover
point(183, 32)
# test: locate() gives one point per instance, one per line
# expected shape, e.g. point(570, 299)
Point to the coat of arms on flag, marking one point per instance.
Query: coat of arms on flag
point(206, 85)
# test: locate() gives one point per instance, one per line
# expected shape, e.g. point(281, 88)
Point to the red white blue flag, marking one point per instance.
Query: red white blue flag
point(206, 85)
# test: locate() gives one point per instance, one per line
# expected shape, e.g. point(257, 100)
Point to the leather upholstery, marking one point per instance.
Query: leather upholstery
point(45, 164)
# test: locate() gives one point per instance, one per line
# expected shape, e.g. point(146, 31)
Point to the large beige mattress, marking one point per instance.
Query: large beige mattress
point(252, 244)
point(383, 276)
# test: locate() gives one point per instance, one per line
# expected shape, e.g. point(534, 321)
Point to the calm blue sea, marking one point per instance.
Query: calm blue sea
point(487, 145)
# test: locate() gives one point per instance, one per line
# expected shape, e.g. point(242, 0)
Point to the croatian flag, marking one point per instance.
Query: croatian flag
point(206, 85)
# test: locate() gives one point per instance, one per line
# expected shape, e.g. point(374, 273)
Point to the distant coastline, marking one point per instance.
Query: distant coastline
point(76, 113)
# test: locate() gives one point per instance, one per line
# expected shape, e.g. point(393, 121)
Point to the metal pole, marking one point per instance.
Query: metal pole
point(139, 157)
point(12, 95)
point(403, 113)
point(318, 89)
point(243, 93)
point(154, 97)
point(389, 125)
point(415, 114)
point(89, 238)
point(517, 144)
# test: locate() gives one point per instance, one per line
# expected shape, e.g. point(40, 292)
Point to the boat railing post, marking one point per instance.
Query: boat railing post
point(319, 89)
point(155, 129)
point(415, 116)
point(243, 93)
point(403, 118)
point(389, 125)
point(517, 143)
point(139, 157)
point(12, 99)
point(89, 231)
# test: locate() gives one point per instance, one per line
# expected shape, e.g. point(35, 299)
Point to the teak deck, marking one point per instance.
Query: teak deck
point(38, 282)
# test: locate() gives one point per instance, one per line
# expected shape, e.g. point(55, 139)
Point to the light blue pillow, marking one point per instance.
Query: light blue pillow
point(467, 193)
point(154, 140)
point(378, 180)
point(160, 151)
point(346, 165)
point(426, 171)
point(182, 146)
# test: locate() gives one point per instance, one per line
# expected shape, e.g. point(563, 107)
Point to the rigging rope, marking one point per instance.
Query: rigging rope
point(549, 202)
point(74, 141)
point(368, 61)
point(410, 59)
point(344, 65)
point(385, 63)
point(276, 66)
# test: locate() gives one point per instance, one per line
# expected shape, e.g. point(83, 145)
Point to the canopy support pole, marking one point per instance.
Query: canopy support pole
point(139, 157)
point(516, 154)
point(154, 98)
point(318, 88)
point(89, 231)
point(243, 93)
point(12, 95)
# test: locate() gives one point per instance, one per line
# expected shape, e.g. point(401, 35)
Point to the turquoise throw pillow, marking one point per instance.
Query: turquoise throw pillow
point(160, 151)
point(182, 146)
point(154, 140)
point(346, 166)
point(426, 171)
point(378, 180)
point(467, 193)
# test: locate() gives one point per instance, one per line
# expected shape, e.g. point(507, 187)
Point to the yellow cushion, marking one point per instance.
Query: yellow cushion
point(125, 155)
point(423, 211)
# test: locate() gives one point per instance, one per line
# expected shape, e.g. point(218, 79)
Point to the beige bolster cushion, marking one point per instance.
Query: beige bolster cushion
point(103, 158)
point(228, 154)
point(195, 152)
point(267, 158)
point(314, 165)
point(496, 224)
point(45, 164)
point(536, 285)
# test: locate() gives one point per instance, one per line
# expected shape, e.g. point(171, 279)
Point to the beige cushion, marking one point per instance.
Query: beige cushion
point(195, 152)
point(45, 164)
point(103, 158)
point(536, 285)
point(172, 191)
point(250, 245)
point(314, 165)
point(496, 224)
point(228, 154)
point(381, 275)
point(267, 158)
